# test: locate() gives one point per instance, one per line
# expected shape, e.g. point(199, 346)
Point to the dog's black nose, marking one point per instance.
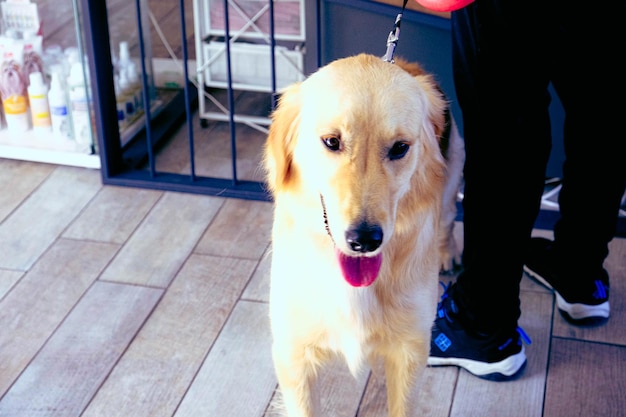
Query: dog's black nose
point(365, 237)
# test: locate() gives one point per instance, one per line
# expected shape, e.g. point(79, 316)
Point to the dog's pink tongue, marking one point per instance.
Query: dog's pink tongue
point(359, 271)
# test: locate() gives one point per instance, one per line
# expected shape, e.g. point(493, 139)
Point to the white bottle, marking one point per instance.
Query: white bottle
point(15, 101)
point(129, 82)
point(80, 109)
point(39, 107)
point(127, 95)
point(135, 86)
point(122, 119)
point(59, 110)
point(124, 56)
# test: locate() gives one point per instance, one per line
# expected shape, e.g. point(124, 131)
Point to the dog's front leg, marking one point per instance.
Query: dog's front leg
point(296, 372)
point(403, 371)
point(450, 256)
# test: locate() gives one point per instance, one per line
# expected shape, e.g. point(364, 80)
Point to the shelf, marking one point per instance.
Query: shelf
point(251, 69)
point(30, 147)
point(50, 156)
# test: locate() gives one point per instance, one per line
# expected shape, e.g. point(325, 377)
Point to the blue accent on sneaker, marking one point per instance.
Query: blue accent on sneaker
point(443, 342)
point(600, 293)
point(505, 344)
point(524, 336)
point(441, 312)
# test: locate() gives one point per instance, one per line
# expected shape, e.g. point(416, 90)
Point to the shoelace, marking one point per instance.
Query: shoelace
point(600, 293)
point(523, 338)
point(441, 311)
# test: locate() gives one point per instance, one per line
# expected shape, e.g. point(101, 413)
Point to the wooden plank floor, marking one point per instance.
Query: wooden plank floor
point(125, 302)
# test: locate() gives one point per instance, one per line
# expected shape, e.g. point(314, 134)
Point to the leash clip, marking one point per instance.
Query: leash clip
point(392, 40)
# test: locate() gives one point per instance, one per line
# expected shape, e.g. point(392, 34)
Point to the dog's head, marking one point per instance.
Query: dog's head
point(12, 82)
point(359, 140)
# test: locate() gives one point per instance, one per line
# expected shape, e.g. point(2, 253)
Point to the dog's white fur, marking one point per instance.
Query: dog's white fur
point(366, 106)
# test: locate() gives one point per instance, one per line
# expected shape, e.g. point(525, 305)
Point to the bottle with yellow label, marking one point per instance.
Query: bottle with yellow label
point(39, 106)
point(14, 98)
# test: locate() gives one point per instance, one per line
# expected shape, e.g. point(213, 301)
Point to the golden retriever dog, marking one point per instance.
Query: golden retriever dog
point(358, 158)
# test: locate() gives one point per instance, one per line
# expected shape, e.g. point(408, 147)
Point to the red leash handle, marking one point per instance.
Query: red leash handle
point(444, 5)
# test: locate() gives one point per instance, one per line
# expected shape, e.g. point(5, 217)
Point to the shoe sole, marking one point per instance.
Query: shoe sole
point(505, 370)
point(576, 313)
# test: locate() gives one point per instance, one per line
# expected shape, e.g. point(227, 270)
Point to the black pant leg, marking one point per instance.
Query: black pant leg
point(589, 79)
point(501, 83)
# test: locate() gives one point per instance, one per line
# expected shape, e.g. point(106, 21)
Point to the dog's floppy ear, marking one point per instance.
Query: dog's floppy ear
point(281, 140)
point(437, 105)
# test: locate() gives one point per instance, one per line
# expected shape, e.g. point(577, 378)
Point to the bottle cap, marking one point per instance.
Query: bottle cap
point(36, 79)
point(55, 81)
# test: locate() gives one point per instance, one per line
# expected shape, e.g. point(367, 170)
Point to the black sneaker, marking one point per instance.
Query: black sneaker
point(581, 304)
point(496, 357)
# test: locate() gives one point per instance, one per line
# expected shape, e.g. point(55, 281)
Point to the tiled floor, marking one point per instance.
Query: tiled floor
point(129, 302)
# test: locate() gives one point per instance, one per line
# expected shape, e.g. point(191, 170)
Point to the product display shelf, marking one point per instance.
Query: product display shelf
point(39, 47)
point(137, 124)
point(250, 50)
point(29, 146)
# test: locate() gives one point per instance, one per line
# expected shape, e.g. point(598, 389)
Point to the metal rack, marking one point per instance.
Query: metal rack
point(265, 51)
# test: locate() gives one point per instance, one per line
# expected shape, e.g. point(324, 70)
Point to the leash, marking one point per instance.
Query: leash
point(326, 226)
point(394, 35)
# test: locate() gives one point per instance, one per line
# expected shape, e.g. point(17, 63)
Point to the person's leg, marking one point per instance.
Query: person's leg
point(507, 139)
point(591, 86)
point(501, 81)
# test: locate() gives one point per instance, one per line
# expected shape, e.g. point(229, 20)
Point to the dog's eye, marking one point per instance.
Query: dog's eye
point(332, 142)
point(398, 150)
